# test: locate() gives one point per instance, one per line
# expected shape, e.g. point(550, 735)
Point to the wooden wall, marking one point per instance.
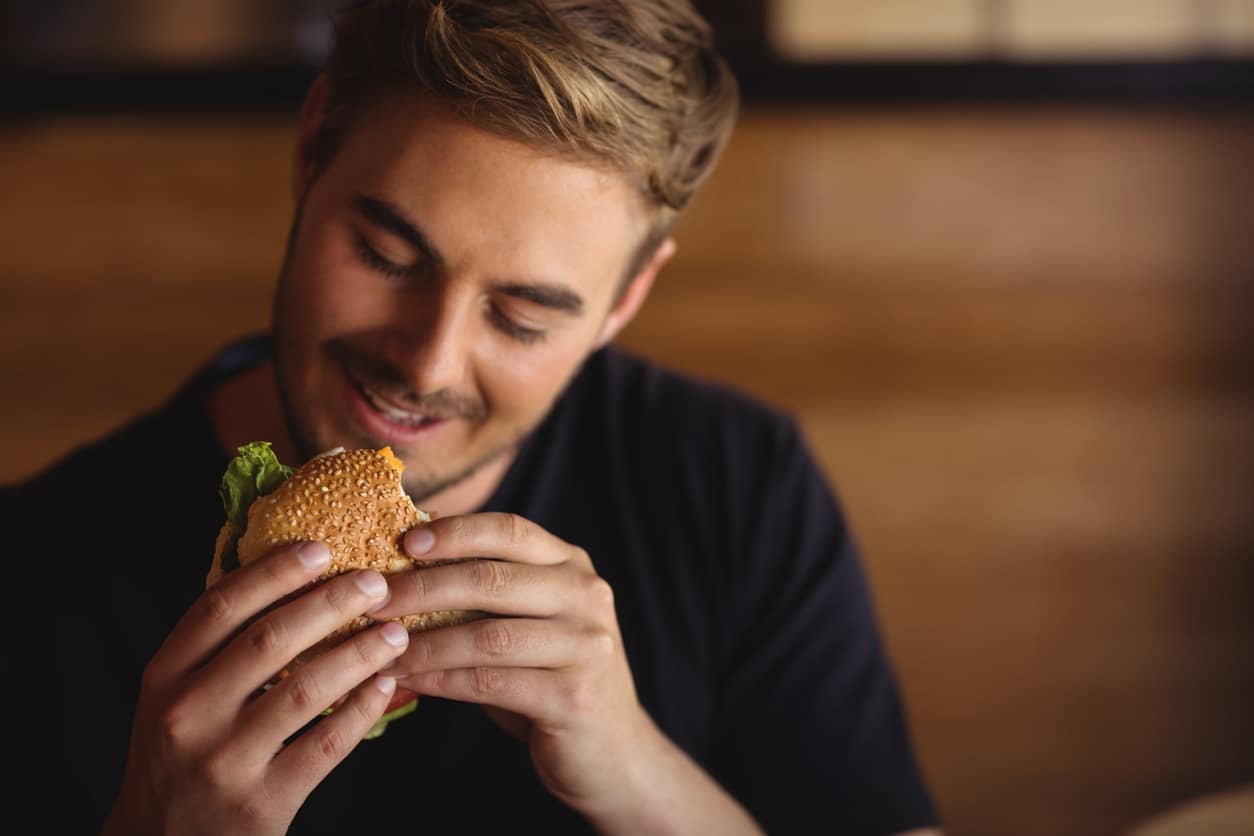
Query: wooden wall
point(1020, 341)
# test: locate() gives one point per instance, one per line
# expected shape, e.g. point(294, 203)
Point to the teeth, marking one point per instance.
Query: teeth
point(390, 412)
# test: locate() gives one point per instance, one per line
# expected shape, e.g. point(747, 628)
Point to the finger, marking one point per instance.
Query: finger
point(313, 687)
point(272, 641)
point(227, 606)
point(499, 535)
point(502, 642)
point(494, 586)
point(542, 695)
point(303, 764)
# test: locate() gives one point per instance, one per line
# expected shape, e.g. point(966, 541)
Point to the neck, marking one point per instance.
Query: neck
point(469, 494)
point(246, 408)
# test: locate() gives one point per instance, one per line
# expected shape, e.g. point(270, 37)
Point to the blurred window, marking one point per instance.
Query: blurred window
point(51, 34)
point(819, 30)
point(834, 30)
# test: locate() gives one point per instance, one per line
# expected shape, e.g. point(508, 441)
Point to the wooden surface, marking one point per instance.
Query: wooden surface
point(1229, 812)
point(1020, 340)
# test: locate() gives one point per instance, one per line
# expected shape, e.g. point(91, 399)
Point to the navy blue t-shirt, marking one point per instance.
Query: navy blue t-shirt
point(743, 606)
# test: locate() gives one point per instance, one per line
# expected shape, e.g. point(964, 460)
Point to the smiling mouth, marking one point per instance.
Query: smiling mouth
point(389, 410)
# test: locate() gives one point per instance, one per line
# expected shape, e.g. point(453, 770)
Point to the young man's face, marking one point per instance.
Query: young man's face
point(442, 286)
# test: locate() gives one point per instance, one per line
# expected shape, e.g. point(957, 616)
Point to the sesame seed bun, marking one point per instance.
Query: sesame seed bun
point(352, 501)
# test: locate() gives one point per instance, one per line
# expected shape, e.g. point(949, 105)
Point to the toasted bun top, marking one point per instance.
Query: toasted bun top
point(354, 502)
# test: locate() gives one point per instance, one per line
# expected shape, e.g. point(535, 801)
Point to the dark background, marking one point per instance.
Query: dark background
point(192, 53)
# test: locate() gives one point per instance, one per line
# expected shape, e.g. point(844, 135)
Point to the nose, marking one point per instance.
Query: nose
point(435, 341)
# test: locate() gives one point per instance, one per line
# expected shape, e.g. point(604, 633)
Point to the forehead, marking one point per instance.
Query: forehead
point(482, 197)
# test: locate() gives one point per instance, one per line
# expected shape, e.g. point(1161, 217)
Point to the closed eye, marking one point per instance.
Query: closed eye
point(500, 320)
point(371, 257)
point(512, 329)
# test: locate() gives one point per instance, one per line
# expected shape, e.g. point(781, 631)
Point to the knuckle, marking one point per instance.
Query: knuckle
point(438, 681)
point(217, 606)
point(487, 682)
point(252, 811)
point(421, 651)
point(174, 727)
point(576, 694)
point(493, 637)
point(330, 741)
point(370, 647)
point(492, 577)
point(214, 770)
point(362, 708)
point(599, 591)
point(271, 567)
point(303, 691)
point(460, 532)
point(266, 636)
point(341, 593)
point(419, 583)
point(275, 572)
point(513, 529)
point(600, 643)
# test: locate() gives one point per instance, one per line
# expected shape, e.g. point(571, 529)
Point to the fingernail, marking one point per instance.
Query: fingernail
point(386, 684)
point(394, 634)
point(371, 583)
point(419, 541)
point(314, 555)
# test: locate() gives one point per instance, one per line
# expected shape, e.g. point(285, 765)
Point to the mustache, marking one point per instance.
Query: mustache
point(381, 376)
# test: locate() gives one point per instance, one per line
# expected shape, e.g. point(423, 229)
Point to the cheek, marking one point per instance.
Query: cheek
point(327, 289)
point(526, 379)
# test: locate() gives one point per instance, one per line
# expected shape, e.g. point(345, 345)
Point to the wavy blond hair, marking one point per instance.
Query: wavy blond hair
point(635, 84)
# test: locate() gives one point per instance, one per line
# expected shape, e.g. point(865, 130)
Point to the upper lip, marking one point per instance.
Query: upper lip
point(384, 394)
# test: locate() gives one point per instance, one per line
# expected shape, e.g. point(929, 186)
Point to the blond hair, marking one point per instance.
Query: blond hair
point(634, 84)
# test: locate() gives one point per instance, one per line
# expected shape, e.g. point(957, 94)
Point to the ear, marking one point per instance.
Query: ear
point(312, 112)
point(635, 294)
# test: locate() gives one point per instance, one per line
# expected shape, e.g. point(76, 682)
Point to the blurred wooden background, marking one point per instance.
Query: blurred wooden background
point(1020, 340)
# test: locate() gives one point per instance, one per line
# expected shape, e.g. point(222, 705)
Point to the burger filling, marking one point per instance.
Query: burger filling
point(252, 474)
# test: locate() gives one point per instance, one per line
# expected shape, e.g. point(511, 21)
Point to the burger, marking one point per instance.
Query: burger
point(351, 500)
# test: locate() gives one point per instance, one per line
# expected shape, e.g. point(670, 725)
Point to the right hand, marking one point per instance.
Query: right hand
point(207, 751)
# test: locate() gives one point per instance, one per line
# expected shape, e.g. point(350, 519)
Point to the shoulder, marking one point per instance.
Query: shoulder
point(651, 384)
point(689, 455)
point(144, 458)
point(101, 486)
point(649, 403)
point(163, 463)
point(94, 469)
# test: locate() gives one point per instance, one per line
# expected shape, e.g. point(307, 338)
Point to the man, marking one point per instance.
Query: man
point(679, 636)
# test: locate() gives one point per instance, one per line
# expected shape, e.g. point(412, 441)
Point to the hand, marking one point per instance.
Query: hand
point(207, 752)
point(547, 662)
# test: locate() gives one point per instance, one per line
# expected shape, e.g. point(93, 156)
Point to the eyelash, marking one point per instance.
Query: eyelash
point(373, 260)
point(511, 329)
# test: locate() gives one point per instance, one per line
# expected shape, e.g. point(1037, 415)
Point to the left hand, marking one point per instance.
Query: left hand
point(547, 662)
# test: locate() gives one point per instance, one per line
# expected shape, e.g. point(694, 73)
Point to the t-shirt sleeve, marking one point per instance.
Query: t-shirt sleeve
point(811, 735)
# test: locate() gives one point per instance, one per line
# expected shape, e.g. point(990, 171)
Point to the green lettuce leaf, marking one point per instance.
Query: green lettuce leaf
point(252, 474)
point(381, 724)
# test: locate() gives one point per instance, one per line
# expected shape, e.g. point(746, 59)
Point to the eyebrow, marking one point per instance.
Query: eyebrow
point(546, 295)
point(390, 218)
